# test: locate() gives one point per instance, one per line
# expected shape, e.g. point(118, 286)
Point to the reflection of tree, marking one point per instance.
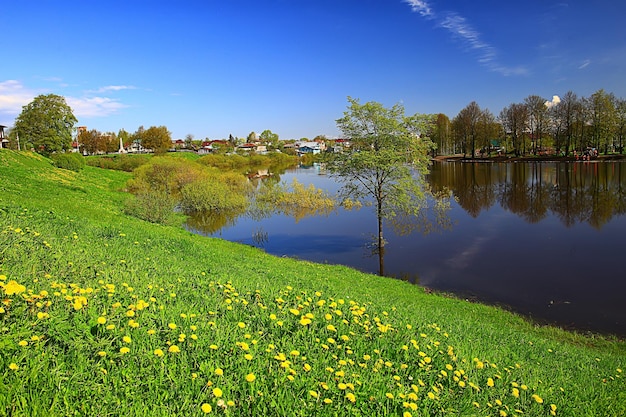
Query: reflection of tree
point(574, 192)
point(211, 222)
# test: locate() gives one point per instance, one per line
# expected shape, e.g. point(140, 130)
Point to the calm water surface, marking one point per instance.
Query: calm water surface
point(542, 239)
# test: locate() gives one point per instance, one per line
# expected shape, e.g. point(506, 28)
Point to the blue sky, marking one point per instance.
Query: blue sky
point(213, 68)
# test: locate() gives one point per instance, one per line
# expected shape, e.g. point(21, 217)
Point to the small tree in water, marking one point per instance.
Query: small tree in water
point(385, 163)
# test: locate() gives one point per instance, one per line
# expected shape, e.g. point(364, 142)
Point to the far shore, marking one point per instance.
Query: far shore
point(531, 158)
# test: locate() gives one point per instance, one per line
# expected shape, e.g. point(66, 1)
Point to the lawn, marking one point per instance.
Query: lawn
point(104, 314)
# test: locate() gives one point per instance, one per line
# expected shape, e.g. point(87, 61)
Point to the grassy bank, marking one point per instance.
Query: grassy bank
point(104, 314)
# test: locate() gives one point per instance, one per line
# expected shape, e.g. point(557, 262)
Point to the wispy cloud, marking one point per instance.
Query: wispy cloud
point(585, 64)
point(109, 88)
point(13, 96)
point(94, 106)
point(458, 26)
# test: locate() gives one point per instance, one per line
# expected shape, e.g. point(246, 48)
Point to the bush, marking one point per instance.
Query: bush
point(70, 161)
point(153, 206)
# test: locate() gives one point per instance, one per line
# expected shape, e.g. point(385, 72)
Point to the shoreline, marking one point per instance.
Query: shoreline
point(551, 158)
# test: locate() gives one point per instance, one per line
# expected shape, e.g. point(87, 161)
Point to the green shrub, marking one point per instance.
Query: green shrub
point(70, 161)
point(153, 205)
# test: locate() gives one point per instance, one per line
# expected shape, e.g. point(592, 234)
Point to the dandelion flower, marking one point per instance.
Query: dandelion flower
point(173, 349)
point(13, 366)
point(206, 408)
point(126, 339)
point(23, 343)
point(350, 397)
point(490, 382)
point(407, 414)
point(172, 326)
point(158, 352)
point(389, 395)
point(102, 353)
point(241, 325)
point(102, 320)
point(294, 311)
point(217, 392)
point(124, 350)
point(219, 372)
point(537, 398)
point(313, 394)
point(250, 377)
point(328, 401)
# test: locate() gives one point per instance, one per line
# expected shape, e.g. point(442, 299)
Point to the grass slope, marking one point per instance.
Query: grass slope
point(107, 315)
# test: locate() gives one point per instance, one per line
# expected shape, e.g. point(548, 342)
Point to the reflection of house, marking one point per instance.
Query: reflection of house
point(4, 142)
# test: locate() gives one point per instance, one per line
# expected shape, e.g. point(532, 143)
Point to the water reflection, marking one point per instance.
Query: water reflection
point(542, 239)
point(575, 192)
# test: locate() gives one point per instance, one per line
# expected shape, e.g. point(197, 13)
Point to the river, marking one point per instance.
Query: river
point(543, 239)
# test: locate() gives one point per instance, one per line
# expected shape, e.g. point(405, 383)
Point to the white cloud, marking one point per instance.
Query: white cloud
point(112, 88)
point(585, 64)
point(94, 106)
point(555, 100)
point(420, 7)
point(461, 29)
point(13, 96)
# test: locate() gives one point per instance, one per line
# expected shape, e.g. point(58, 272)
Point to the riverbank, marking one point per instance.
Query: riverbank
point(104, 313)
point(509, 158)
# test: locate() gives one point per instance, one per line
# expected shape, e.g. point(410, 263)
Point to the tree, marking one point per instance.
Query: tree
point(514, 119)
point(537, 119)
point(387, 150)
point(159, 139)
point(189, 141)
point(270, 138)
point(45, 124)
point(468, 119)
point(442, 135)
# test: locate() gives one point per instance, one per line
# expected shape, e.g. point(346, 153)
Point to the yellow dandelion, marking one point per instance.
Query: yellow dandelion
point(537, 398)
point(13, 366)
point(158, 352)
point(206, 408)
point(304, 321)
point(250, 377)
point(294, 353)
point(126, 339)
point(294, 311)
point(307, 367)
point(102, 320)
point(23, 343)
point(407, 414)
point(241, 325)
point(102, 353)
point(213, 347)
point(13, 288)
point(124, 350)
point(389, 395)
point(328, 401)
point(313, 394)
point(431, 395)
point(172, 326)
point(515, 392)
point(219, 372)
point(489, 382)
point(350, 397)
point(173, 349)
point(248, 356)
point(217, 392)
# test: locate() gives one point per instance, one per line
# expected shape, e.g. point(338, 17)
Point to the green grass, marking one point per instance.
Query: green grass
point(82, 283)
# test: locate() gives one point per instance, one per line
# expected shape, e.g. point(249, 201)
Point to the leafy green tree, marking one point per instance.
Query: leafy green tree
point(159, 139)
point(387, 163)
point(45, 124)
point(270, 138)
